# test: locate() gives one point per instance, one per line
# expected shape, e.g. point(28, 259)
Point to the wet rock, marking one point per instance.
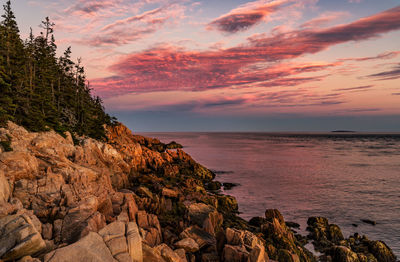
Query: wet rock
point(368, 221)
point(292, 224)
point(188, 244)
point(229, 186)
point(257, 221)
point(213, 185)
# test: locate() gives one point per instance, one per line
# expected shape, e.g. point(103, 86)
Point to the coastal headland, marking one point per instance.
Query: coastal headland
point(133, 198)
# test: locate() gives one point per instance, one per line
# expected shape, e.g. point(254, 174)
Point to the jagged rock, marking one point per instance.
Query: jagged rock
point(381, 251)
point(343, 254)
point(89, 248)
point(205, 216)
point(188, 244)
point(167, 253)
point(323, 233)
point(19, 237)
point(285, 255)
point(201, 237)
point(167, 192)
point(181, 253)
point(151, 229)
point(235, 254)
point(152, 254)
point(77, 219)
point(47, 231)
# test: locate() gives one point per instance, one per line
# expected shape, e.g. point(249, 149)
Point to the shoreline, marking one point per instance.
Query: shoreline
point(134, 199)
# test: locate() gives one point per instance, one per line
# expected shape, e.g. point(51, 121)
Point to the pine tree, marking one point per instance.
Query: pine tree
point(39, 90)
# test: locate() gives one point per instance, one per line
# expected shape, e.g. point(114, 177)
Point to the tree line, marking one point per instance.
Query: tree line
point(41, 91)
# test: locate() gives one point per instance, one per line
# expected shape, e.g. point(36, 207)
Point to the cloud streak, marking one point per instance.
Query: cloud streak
point(168, 68)
point(246, 16)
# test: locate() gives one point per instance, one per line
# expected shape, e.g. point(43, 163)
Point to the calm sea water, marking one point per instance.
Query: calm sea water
point(344, 177)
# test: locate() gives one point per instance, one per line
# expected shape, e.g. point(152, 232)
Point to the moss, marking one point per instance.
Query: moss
point(6, 144)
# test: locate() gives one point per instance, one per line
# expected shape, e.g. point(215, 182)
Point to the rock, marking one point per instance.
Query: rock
point(293, 224)
point(235, 254)
point(270, 214)
point(205, 216)
point(152, 254)
point(229, 186)
point(28, 259)
point(257, 221)
point(89, 248)
point(213, 185)
point(210, 257)
point(134, 242)
point(323, 233)
point(287, 256)
point(4, 188)
point(167, 253)
point(47, 231)
point(381, 251)
point(188, 244)
point(343, 254)
point(181, 253)
point(77, 220)
point(167, 192)
point(19, 237)
point(151, 232)
point(201, 237)
point(173, 145)
point(368, 221)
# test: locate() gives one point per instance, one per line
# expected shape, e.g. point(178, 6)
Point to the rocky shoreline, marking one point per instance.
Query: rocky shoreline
point(134, 198)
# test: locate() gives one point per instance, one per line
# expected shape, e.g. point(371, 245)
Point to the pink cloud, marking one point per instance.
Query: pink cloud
point(176, 69)
point(246, 15)
point(324, 19)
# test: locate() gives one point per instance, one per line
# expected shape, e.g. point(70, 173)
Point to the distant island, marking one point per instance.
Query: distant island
point(343, 131)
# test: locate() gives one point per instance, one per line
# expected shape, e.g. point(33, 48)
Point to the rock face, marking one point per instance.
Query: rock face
point(19, 237)
point(133, 199)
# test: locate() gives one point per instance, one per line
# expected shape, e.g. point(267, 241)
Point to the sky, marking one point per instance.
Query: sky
point(203, 65)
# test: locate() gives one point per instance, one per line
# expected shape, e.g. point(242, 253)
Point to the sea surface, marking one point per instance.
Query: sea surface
point(345, 177)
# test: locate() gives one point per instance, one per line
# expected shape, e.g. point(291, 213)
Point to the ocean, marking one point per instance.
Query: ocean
point(345, 177)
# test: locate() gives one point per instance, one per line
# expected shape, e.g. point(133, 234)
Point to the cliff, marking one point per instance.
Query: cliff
point(131, 199)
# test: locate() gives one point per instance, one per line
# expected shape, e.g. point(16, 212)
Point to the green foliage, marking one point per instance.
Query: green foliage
point(40, 91)
point(6, 144)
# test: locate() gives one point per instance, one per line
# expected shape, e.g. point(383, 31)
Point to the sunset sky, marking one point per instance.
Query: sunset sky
point(282, 65)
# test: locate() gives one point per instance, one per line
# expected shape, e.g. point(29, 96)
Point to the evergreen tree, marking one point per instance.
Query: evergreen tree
point(39, 90)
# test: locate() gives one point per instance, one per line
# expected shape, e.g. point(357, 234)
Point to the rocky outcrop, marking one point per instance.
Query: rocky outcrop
point(328, 239)
point(133, 199)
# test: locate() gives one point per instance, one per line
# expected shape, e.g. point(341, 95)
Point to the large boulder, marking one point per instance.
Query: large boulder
point(381, 251)
point(188, 244)
point(205, 216)
point(343, 254)
point(91, 248)
point(123, 241)
point(19, 237)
